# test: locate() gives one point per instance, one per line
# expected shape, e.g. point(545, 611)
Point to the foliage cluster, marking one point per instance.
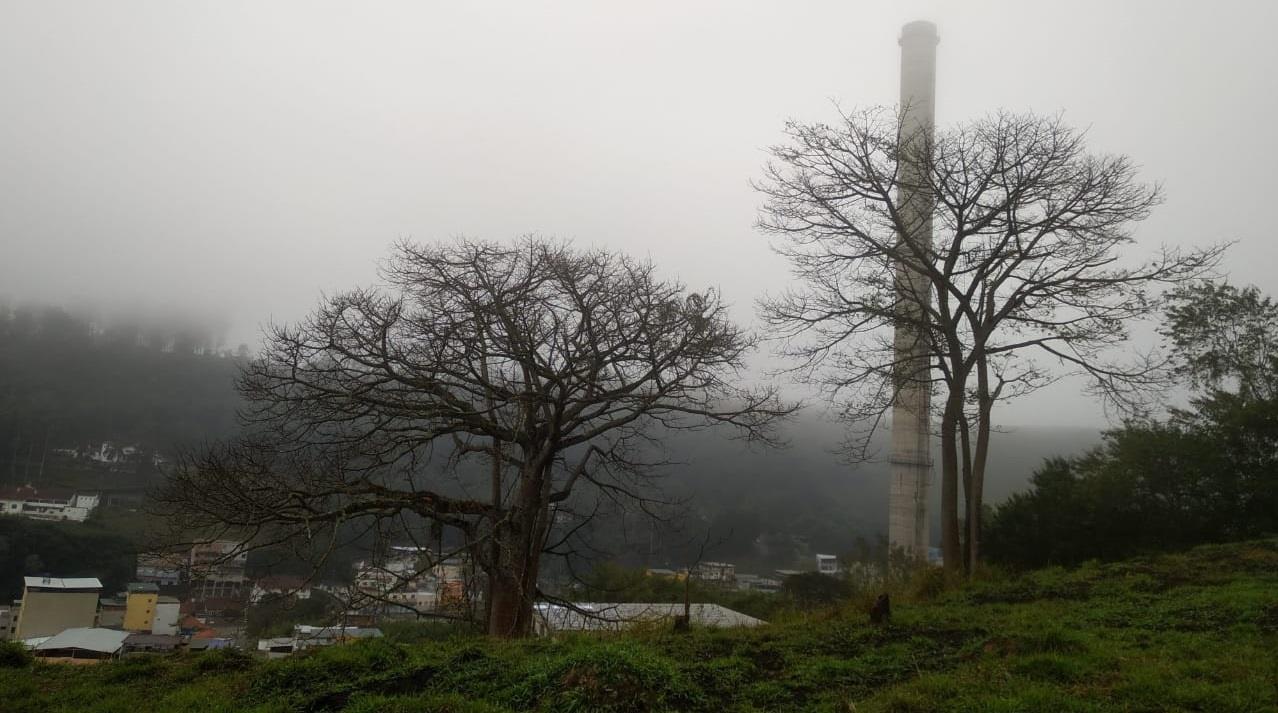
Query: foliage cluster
point(1207, 474)
point(1150, 487)
point(14, 655)
point(1187, 632)
point(276, 615)
point(31, 547)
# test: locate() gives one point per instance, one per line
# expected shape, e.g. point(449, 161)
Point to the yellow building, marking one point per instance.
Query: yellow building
point(139, 608)
point(51, 605)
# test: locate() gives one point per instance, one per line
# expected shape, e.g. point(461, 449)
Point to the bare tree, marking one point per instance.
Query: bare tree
point(1023, 282)
point(480, 390)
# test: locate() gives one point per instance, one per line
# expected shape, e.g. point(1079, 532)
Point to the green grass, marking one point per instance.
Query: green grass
point(1196, 631)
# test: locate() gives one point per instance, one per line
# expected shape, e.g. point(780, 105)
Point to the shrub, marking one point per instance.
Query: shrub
point(224, 660)
point(622, 677)
point(14, 655)
point(327, 669)
point(137, 667)
point(813, 589)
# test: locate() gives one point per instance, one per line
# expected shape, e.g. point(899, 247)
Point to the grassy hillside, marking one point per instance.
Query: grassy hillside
point(1189, 632)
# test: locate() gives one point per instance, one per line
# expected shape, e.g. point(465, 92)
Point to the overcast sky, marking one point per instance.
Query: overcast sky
point(237, 158)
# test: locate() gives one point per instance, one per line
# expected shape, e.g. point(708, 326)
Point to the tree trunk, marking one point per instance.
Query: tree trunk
point(965, 438)
point(949, 487)
point(512, 585)
point(519, 539)
point(509, 606)
point(985, 404)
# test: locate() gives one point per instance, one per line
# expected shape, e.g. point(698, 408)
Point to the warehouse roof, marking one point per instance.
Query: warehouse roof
point(596, 616)
point(107, 641)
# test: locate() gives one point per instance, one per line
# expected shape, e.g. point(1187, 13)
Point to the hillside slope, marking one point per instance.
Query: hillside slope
point(1189, 632)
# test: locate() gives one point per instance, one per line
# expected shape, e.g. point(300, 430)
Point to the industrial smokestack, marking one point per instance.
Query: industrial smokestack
point(911, 460)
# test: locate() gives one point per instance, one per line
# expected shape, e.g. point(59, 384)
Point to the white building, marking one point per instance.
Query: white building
point(827, 564)
point(414, 577)
point(47, 503)
point(721, 573)
point(80, 645)
point(167, 614)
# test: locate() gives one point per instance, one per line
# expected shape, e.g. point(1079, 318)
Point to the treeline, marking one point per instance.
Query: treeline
point(1205, 474)
point(70, 379)
point(32, 548)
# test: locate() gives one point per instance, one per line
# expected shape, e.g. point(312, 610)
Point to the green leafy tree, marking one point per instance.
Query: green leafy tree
point(1226, 336)
point(1209, 473)
point(813, 589)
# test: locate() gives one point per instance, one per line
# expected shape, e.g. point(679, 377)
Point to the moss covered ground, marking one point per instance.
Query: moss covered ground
point(1196, 631)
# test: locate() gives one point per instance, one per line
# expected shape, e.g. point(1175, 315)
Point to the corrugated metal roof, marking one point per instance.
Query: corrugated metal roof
point(63, 582)
point(599, 616)
point(107, 641)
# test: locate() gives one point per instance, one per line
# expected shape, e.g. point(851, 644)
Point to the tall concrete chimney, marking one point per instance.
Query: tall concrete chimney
point(911, 460)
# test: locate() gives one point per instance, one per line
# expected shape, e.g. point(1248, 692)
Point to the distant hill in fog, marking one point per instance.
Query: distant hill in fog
point(805, 490)
point(65, 380)
point(68, 380)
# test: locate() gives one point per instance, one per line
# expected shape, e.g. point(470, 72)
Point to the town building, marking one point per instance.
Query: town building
point(47, 503)
point(662, 573)
point(81, 645)
point(412, 578)
point(167, 613)
point(139, 643)
point(308, 637)
point(139, 613)
point(758, 583)
point(210, 644)
point(217, 571)
point(164, 570)
point(51, 605)
point(280, 586)
point(717, 573)
point(8, 622)
point(111, 611)
point(827, 564)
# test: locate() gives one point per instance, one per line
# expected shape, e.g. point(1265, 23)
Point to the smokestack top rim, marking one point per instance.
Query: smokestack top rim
point(919, 32)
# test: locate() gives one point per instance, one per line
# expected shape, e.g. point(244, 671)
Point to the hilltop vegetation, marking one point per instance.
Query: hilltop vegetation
point(71, 549)
point(68, 379)
point(1183, 632)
